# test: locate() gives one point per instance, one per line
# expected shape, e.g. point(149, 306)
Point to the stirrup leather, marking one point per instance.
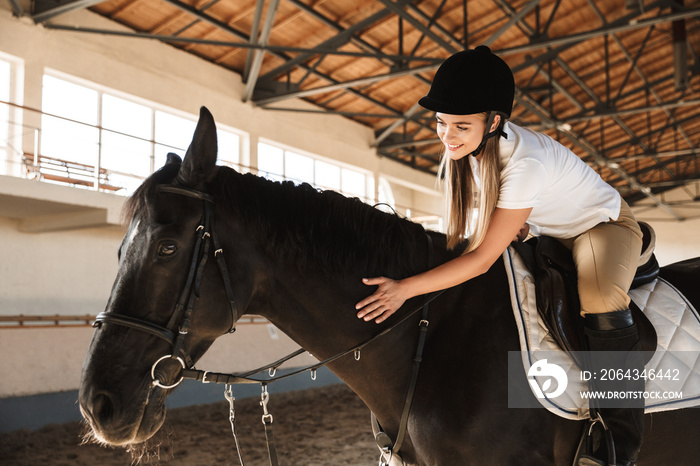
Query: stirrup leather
point(587, 454)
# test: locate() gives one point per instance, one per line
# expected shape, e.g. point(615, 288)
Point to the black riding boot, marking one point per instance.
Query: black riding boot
point(614, 358)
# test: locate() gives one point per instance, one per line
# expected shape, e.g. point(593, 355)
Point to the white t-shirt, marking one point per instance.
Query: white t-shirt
point(567, 196)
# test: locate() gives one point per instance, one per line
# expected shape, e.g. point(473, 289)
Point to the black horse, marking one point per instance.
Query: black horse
point(296, 256)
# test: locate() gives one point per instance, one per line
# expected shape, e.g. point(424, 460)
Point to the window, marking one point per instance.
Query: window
point(277, 164)
point(173, 134)
point(5, 91)
point(354, 183)
point(328, 175)
point(229, 148)
point(271, 162)
point(126, 148)
point(299, 168)
point(11, 115)
point(84, 126)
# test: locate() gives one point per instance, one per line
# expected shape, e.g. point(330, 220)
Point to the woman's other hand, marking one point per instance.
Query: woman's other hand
point(381, 304)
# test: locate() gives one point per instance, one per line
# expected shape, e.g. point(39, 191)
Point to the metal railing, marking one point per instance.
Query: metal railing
point(90, 175)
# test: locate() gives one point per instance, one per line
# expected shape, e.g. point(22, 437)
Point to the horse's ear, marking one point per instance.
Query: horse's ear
point(200, 158)
point(173, 158)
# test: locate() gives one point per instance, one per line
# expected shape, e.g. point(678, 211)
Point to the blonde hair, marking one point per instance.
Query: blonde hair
point(469, 209)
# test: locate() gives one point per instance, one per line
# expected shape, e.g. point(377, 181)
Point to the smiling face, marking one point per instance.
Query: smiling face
point(461, 134)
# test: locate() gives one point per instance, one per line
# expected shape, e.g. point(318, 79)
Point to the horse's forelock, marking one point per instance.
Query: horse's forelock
point(137, 203)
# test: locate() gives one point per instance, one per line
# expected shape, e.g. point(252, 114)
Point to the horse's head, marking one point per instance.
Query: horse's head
point(168, 302)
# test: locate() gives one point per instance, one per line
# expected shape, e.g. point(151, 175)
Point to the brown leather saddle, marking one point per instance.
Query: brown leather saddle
point(556, 290)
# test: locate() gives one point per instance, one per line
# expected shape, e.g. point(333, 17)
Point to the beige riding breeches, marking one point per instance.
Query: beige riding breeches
point(607, 257)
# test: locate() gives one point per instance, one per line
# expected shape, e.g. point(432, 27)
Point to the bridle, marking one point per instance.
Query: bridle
point(177, 328)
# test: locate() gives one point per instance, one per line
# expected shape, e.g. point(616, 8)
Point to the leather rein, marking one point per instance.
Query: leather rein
point(177, 328)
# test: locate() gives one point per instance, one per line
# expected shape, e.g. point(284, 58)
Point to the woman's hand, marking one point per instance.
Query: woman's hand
point(386, 300)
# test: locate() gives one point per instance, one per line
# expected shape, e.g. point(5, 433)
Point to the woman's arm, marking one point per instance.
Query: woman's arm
point(391, 294)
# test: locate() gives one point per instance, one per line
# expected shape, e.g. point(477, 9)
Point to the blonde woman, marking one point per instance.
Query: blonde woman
point(503, 181)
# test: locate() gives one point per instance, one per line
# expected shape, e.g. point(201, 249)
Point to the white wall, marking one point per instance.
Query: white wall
point(67, 272)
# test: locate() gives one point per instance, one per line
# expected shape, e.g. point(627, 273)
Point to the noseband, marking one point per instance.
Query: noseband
point(177, 328)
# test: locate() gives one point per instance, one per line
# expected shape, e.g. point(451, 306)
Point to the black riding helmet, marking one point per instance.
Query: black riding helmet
point(473, 81)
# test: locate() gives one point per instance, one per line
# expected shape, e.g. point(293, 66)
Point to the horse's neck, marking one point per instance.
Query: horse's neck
point(320, 316)
point(316, 312)
point(470, 319)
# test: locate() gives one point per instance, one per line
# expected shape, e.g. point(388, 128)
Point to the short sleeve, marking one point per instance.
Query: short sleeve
point(522, 183)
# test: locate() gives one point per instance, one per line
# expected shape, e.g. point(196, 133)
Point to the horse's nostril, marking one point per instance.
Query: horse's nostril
point(102, 407)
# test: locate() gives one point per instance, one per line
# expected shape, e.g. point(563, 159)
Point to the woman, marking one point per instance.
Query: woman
point(503, 180)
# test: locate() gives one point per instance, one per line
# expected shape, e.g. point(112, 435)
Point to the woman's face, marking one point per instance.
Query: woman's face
point(461, 134)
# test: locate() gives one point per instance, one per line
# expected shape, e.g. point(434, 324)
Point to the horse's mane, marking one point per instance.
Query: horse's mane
point(323, 230)
point(320, 231)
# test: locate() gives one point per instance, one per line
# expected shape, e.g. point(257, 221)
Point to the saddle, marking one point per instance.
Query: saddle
point(556, 290)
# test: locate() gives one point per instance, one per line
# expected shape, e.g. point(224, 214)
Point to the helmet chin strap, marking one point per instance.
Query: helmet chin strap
point(489, 134)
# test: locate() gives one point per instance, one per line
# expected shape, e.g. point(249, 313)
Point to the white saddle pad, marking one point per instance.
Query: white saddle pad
point(674, 369)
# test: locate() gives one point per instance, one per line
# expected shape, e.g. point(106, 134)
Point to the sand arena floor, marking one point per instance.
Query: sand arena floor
point(320, 426)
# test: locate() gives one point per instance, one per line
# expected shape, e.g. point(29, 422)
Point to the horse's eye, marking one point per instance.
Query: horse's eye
point(166, 249)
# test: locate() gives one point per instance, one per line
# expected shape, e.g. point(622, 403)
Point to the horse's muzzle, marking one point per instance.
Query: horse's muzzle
point(111, 424)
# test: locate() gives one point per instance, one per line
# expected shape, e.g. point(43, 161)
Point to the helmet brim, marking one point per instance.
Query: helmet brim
point(445, 107)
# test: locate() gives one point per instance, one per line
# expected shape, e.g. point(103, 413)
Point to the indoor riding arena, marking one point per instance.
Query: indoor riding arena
point(308, 97)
